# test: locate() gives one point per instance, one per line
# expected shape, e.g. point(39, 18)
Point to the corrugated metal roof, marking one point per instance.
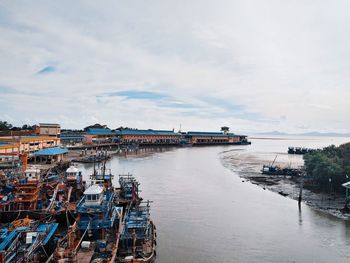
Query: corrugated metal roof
point(146, 132)
point(71, 137)
point(99, 131)
point(213, 134)
point(51, 151)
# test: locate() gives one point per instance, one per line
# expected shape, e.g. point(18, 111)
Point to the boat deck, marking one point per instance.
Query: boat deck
point(86, 255)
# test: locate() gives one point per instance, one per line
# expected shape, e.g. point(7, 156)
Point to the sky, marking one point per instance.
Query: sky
point(254, 66)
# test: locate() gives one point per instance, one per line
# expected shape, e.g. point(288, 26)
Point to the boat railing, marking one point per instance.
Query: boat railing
point(98, 223)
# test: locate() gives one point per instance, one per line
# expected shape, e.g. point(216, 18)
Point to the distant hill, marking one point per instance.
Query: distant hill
point(324, 134)
point(276, 133)
point(327, 134)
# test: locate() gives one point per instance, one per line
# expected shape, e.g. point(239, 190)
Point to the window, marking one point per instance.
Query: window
point(88, 197)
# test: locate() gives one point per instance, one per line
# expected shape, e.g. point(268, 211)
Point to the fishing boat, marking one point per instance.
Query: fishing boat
point(93, 234)
point(112, 224)
point(104, 175)
point(74, 179)
point(277, 170)
point(128, 192)
point(34, 195)
point(272, 169)
point(138, 238)
point(27, 241)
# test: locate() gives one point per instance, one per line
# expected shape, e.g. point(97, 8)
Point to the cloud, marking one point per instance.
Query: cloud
point(161, 99)
point(245, 64)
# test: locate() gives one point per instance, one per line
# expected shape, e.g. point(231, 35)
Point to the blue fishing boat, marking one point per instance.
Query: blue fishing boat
point(112, 225)
point(97, 224)
point(31, 243)
point(138, 238)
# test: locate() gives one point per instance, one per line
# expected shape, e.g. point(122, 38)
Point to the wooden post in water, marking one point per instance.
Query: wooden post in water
point(301, 189)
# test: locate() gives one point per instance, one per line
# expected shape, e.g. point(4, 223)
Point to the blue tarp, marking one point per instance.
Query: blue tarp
point(51, 151)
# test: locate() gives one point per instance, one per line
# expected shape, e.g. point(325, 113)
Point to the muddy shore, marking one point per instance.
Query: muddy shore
point(248, 166)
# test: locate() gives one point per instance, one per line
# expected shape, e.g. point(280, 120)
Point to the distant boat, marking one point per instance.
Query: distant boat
point(299, 150)
point(276, 170)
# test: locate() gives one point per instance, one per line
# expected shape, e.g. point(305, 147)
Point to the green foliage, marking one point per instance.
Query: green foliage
point(5, 126)
point(329, 163)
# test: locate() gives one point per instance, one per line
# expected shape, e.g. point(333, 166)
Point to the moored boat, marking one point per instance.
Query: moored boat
point(138, 239)
point(27, 242)
point(112, 225)
point(36, 196)
point(95, 228)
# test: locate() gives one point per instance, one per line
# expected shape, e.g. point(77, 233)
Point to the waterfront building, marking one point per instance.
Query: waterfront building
point(72, 140)
point(48, 129)
point(98, 135)
point(210, 138)
point(26, 144)
point(69, 138)
point(148, 136)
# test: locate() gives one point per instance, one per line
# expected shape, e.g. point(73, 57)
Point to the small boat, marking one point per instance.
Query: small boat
point(272, 169)
point(299, 150)
point(276, 170)
point(93, 159)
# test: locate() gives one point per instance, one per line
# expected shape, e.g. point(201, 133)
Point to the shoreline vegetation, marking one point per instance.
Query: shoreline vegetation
point(325, 171)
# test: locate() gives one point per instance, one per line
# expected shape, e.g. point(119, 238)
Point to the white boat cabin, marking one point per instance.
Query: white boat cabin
point(73, 173)
point(32, 174)
point(94, 194)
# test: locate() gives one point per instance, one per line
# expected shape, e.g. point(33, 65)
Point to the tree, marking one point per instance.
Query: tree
point(330, 163)
point(27, 127)
point(5, 126)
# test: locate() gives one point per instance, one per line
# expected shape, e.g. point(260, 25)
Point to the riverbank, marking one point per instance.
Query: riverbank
point(248, 166)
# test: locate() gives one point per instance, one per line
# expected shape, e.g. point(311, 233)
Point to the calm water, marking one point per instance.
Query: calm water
point(204, 213)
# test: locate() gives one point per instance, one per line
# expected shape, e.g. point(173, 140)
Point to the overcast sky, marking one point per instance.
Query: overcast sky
point(250, 65)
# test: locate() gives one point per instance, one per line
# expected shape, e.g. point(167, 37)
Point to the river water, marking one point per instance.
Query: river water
point(205, 213)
